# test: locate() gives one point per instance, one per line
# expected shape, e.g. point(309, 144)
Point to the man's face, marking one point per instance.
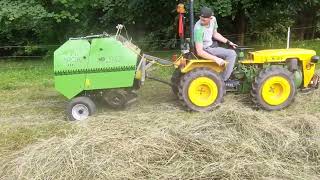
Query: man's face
point(205, 21)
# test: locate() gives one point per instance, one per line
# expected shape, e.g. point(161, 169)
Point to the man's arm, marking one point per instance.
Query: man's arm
point(217, 36)
point(205, 55)
point(198, 39)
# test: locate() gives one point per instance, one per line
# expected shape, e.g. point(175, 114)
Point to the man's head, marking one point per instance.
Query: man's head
point(205, 16)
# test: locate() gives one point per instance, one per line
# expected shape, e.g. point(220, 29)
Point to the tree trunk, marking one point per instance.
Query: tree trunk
point(241, 26)
point(305, 21)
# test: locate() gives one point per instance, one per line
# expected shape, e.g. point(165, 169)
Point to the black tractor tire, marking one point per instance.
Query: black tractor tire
point(260, 81)
point(186, 81)
point(175, 81)
point(116, 98)
point(80, 108)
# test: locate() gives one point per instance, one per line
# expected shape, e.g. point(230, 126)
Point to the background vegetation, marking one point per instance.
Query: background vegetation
point(152, 24)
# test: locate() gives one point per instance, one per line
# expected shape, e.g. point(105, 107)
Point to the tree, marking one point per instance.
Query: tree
point(20, 20)
point(26, 22)
point(306, 14)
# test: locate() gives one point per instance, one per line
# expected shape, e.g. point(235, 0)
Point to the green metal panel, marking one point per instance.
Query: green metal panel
point(70, 85)
point(108, 52)
point(70, 62)
point(109, 80)
point(113, 63)
point(71, 56)
point(104, 64)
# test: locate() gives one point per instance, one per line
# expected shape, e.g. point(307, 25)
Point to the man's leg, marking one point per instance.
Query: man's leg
point(228, 55)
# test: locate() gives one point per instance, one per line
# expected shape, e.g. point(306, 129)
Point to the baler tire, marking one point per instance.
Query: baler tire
point(116, 99)
point(80, 108)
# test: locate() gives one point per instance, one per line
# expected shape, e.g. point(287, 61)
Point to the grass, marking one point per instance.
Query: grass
point(152, 139)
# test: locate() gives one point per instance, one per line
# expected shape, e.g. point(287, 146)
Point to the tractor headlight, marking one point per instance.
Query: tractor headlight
point(315, 59)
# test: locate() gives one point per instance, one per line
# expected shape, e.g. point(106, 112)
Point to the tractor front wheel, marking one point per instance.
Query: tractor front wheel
point(80, 108)
point(274, 88)
point(201, 90)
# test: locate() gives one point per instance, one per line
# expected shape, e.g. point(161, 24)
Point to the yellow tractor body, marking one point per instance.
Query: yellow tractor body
point(272, 76)
point(274, 56)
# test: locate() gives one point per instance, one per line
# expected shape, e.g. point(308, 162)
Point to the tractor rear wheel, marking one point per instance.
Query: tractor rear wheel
point(201, 90)
point(80, 108)
point(175, 81)
point(273, 89)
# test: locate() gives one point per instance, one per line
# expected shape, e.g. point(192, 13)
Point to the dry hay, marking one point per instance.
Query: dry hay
point(164, 142)
point(156, 139)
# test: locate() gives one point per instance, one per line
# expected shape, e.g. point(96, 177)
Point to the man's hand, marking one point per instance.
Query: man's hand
point(233, 45)
point(220, 61)
point(217, 36)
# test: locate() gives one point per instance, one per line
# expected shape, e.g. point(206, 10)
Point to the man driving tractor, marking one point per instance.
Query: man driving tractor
point(205, 30)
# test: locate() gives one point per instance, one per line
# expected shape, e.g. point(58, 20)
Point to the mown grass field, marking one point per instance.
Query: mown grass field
point(153, 138)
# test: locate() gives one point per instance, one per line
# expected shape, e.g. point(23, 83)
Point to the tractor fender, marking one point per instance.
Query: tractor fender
point(192, 64)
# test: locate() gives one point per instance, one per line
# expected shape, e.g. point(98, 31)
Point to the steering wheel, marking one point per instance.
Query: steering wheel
point(240, 51)
point(242, 48)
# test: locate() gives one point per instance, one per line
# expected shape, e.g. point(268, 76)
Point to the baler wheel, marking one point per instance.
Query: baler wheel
point(116, 98)
point(80, 108)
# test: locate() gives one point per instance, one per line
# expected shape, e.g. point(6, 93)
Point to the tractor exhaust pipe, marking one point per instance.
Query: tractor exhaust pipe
point(191, 25)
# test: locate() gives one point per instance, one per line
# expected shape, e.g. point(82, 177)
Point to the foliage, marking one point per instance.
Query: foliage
point(25, 22)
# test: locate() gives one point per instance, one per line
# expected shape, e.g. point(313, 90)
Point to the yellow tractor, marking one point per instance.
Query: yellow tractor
point(273, 77)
